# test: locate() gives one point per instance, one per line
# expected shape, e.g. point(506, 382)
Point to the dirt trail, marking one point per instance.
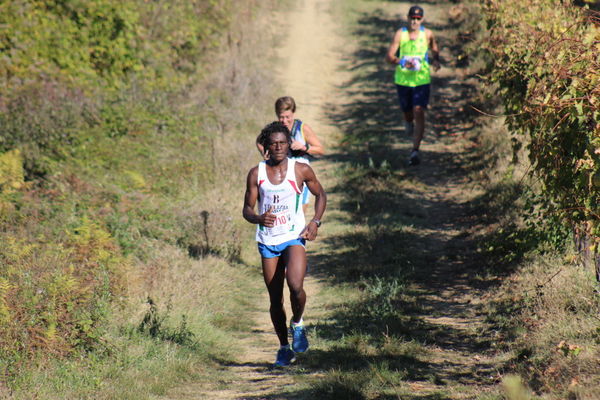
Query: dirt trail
point(310, 63)
point(312, 71)
point(307, 73)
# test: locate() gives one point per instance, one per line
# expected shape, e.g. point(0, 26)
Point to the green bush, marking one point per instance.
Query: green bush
point(55, 296)
point(46, 120)
point(544, 61)
point(79, 39)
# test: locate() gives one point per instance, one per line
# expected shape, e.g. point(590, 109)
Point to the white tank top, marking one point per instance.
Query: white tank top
point(286, 200)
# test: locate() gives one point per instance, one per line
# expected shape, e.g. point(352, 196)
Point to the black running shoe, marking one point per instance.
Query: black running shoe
point(414, 158)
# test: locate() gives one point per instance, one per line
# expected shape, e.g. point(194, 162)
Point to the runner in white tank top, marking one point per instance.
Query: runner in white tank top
point(276, 184)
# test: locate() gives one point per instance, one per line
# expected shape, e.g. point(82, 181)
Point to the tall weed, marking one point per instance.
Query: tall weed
point(553, 327)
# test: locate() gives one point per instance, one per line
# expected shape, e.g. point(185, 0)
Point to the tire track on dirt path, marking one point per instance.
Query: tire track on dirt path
point(310, 63)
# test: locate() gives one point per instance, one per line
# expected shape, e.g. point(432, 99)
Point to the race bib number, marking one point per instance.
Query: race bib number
point(283, 224)
point(411, 63)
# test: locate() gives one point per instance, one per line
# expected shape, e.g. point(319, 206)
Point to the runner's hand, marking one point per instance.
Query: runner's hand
point(296, 145)
point(309, 232)
point(436, 65)
point(267, 219)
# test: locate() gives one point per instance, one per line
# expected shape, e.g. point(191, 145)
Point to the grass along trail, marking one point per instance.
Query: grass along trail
point(394, 298)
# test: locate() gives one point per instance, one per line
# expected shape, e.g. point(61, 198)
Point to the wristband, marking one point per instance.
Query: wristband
point(317, 222)
point(307, 147)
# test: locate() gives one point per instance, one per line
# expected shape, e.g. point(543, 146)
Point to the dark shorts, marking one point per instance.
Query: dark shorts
point(413, 96)
point(277, 250)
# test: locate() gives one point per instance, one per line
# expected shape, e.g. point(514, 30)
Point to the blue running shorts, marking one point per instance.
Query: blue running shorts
point(413, 96)
point(278, 249)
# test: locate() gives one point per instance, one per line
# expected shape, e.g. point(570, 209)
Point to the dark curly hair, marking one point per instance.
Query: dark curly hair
point(274, 127)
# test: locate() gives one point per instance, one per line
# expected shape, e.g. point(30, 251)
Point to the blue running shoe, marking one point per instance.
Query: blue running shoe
point(299, 340)
point(285, 356)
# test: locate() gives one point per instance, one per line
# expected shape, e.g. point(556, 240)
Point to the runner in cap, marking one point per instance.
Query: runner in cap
point(414, 51)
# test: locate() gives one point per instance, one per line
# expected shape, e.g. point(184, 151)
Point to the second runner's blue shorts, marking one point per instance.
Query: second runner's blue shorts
point(278, 249)
point(305, 194)
point(413, 96)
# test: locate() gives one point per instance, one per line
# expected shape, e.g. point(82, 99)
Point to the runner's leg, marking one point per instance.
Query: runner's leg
point(296, 270)
point(420, 101)
point(274, 275)
point(419, 114)
point(405, 98)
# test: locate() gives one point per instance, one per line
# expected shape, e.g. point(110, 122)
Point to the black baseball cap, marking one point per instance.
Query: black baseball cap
point(415, 12)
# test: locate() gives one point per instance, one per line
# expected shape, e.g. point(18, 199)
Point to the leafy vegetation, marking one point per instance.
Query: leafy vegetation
point(547, 75)
point(548, 87)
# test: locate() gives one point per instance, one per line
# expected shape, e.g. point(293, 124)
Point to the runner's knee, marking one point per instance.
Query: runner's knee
point(296, 289)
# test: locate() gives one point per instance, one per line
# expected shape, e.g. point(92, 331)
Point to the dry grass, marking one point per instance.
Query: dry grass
point(554, 333)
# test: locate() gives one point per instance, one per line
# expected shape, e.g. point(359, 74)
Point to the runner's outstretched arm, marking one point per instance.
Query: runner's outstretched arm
point(435, 51)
